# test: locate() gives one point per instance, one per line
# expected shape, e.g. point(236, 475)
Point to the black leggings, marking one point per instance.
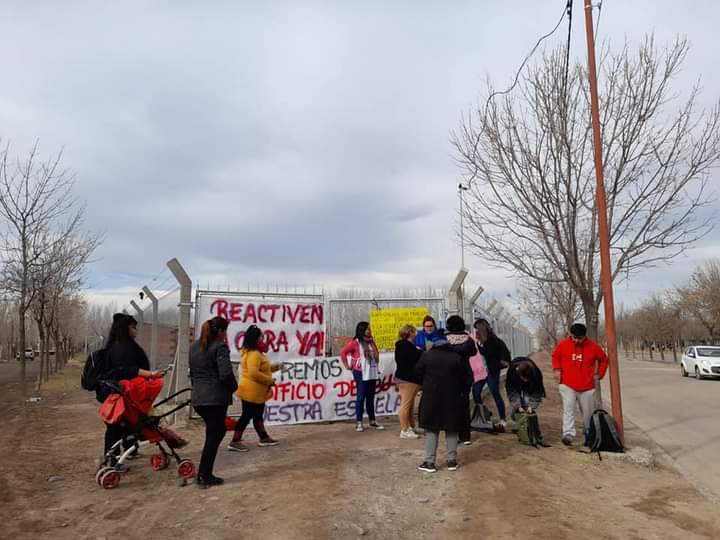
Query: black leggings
point(214, 416)
point(254, 412)
point(113, 433)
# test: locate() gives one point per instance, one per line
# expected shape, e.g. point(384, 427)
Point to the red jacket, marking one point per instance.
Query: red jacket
point(579, 362)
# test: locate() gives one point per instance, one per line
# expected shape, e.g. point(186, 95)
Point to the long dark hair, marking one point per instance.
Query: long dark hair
point(252, 338)
point(486, 326)
point(210, 331)
point(120, 329)
point(360, 330)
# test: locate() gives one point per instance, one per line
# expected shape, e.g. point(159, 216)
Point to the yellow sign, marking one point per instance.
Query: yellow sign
point(386, 323)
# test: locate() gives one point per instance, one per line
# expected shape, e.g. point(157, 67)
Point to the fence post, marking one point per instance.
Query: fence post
point(154, 330)
point(141, 317)
point(183, 346)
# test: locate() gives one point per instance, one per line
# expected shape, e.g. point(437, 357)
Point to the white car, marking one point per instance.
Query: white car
point(702, 361)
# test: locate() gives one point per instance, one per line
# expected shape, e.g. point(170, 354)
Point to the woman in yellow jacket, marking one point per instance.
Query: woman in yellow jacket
point(255, 382)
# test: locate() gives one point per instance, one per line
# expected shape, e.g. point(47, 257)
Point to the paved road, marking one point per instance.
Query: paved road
point(10, 371)
point(682, 415)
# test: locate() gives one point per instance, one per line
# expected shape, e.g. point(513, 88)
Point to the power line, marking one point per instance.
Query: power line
point(566, 11)
point(597, 24)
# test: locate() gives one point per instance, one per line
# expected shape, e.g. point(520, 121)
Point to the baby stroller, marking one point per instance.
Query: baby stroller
point(129, 404)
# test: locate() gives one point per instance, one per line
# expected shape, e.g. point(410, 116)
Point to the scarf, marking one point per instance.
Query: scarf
point(369, 359)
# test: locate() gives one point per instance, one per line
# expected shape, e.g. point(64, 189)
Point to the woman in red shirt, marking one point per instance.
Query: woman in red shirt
point(364, 363)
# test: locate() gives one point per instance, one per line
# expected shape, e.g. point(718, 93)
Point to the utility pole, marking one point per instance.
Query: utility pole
point(603, 229)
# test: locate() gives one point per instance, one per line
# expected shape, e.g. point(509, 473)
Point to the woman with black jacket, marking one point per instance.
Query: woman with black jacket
point(125, 360)
point(213, 383)
point(406, 356)
point(497, 356)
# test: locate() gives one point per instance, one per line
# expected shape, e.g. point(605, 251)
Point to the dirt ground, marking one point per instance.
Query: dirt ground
point(326, 481)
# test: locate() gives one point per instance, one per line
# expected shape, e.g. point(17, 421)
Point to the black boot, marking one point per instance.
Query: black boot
point(205, 481)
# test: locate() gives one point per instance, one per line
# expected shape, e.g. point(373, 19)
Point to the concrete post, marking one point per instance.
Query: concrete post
point(183, 346)
point(140, 317)
point(455, 294)
point(154, 330)
point(470, 317)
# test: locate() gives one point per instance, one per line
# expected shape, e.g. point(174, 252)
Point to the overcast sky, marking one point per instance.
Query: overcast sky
point(293, 142)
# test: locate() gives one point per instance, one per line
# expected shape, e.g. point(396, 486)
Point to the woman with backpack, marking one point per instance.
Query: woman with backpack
point(213, 383)
point(525, 391)
point(125, 360)
point(364, 364)
point(497, 356)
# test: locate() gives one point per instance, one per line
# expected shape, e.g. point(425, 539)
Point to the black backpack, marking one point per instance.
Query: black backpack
point(94, 370)
point(481, 421)
point(602, 434)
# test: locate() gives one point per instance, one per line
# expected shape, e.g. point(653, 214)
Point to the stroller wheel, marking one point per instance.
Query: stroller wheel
point(102, 470)
point(186, 469)
point(158, 462)
point(110, 479)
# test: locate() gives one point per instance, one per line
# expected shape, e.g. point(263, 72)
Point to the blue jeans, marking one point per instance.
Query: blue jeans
point(365, 396)
point(493, 382)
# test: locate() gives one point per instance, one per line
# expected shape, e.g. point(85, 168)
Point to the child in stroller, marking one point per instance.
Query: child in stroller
point(129, 404)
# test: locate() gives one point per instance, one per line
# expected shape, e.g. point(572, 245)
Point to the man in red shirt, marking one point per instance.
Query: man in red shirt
point(578, 363)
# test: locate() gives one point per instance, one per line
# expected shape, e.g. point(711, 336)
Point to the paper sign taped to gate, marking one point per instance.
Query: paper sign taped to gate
point(386, 323)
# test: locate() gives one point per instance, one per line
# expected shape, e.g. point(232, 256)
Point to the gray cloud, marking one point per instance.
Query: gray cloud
point(299, 142)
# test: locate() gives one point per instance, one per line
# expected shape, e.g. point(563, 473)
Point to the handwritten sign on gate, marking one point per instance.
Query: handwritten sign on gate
point(385, 324)
point(311, 387)
point(321, 389)
point(292, 330)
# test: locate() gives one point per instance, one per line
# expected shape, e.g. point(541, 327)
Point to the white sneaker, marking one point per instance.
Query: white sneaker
point(409, 434)
point(359, 427)
point(377, 426)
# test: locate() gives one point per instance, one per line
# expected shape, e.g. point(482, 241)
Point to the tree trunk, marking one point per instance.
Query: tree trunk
point(41, 335)
point(591, 317)
point(21, 341)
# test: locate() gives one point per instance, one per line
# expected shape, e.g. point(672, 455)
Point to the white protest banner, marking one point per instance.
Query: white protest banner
point(293, 328)
point(310, 387)
point(321, 389)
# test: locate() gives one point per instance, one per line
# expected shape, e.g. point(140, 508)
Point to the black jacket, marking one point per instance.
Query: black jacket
point(124, 360)
point(445, 378)
point(211, 375)
point(406, 357)
point(524, 394)
point(494, 351)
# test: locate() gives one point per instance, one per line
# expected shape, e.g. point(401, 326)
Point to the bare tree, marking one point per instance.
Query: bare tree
point(528, 158)
point(35, 199)
point(700, 297)
point(554, 307)
point(61, 259)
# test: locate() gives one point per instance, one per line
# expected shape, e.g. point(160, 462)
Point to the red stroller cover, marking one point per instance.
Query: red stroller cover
point(139, 396)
